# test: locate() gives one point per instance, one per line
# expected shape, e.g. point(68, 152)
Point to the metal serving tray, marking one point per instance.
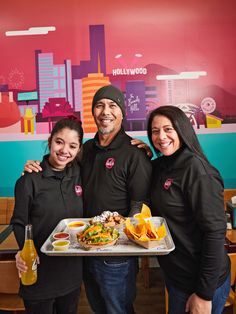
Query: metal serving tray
point(123, 246)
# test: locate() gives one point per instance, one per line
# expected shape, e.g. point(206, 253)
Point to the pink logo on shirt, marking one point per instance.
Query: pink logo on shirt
point(168, 183)
point(110, 163)
point(78, 190)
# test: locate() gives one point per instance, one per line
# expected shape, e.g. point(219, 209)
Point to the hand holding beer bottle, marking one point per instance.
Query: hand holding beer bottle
point(30, 257)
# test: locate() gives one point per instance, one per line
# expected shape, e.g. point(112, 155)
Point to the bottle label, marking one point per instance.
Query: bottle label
point(34, 265)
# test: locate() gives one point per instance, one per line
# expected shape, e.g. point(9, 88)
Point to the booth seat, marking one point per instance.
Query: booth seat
point(6, 209)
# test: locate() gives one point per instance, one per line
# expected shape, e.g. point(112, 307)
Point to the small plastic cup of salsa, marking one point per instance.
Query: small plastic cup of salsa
point(61, 245)
point(74, 227)
point(61, 236)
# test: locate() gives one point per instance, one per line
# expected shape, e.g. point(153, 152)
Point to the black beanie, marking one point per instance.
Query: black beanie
point(110, 92)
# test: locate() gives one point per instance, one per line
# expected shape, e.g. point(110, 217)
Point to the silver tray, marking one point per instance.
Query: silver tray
point(123, 246)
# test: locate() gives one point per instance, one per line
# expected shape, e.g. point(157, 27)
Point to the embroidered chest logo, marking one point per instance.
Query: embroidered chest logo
point(168, 183)
point(110, 162)
point(78, 190)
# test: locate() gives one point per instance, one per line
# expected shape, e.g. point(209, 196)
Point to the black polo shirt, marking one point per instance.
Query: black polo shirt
point(43, 199)
point(116, 177)
point(188, 192)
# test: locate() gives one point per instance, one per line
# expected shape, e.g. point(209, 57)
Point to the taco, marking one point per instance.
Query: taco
point(98, 235)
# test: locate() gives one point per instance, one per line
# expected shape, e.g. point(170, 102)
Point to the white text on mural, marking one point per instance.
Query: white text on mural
point(133, 103)
point(125, 71)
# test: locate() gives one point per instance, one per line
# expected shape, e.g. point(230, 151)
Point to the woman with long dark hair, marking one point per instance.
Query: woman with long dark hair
point(188, 192)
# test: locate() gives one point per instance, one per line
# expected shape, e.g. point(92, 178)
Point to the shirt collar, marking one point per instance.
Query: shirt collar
point(71, 170)
point(116, 142)
point(174, 160)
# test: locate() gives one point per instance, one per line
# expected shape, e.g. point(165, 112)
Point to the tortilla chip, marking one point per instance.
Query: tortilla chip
point(140, 218)
point(146, 212)
point(129, 225)
point(131, 235)
point(145, 230)
point(151, 230)
point(144, 237)
point(141, 228)
point(131, 230)
point(161, 231)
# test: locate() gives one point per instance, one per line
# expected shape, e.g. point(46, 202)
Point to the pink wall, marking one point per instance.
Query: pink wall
point(172, 36)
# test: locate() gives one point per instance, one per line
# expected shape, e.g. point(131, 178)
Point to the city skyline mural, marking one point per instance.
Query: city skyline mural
point(53, 69)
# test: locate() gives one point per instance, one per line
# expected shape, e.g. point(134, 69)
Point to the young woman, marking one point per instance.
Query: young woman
point(43, 199)
point(188, 192)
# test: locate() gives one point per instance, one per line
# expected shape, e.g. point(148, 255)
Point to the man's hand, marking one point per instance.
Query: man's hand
point(141, 144)
point(32, 165)
point(197, 305)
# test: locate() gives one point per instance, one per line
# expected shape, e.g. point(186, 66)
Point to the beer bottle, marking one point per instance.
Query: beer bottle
point(29, 255)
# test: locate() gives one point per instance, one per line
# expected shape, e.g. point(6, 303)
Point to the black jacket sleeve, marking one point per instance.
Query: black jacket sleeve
point(205, 198)
point(139, 180)
point(23, 200)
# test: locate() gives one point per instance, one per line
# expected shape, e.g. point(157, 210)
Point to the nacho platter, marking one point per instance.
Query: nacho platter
point(122, 247)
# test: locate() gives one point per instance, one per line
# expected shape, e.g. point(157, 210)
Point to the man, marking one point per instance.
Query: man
point(116, 176)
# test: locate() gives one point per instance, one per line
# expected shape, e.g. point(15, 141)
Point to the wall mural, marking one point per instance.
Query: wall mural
point(28, 110)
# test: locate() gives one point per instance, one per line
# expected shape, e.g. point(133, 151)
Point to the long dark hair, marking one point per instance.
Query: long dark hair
point(182, 126)
point(71, 123)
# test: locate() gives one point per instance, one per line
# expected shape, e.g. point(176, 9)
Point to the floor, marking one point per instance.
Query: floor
point(149, 300)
